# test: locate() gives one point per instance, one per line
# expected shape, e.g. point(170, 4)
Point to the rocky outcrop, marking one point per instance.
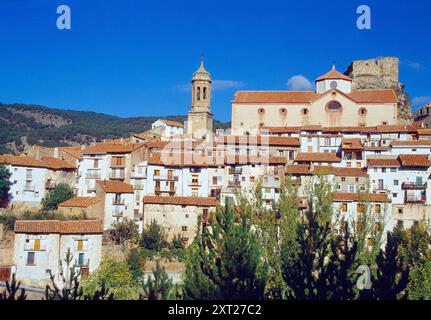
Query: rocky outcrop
point(381, 73)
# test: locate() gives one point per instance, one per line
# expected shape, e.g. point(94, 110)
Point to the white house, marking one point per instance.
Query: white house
point(168, 128)
point(118, 202)
point(41, 247)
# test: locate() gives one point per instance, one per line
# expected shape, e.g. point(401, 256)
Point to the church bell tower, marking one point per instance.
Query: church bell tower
point(200, 118)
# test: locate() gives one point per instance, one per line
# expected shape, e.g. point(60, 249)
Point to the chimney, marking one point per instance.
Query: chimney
point(56, 153)
point(83, 147)
point(311, 167)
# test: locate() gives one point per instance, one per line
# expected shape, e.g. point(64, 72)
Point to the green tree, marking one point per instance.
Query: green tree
point(115, 275)
point(177, 242)
point(392, 273)
point(316, 261)
point(5, 185)
point(419, 287)
point(159, 286)
point(225, 241)
point(125, 230)
point(57, 195)
point(154, 237)
point(71, 288)
point(136, 261)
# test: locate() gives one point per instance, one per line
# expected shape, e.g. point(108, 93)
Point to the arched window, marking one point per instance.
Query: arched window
point(205, 93)
point(198, 94)
point(305, 111)
point(261, 111)
point(334, 106)
point(283, 111)
point(363, 111)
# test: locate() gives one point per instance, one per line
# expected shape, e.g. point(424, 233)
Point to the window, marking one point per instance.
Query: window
point(283, 111)
point(80, 245)
point(363, 111)
point(377, 226)
point(184, 228)
point(400, 210)
point(96, 163)
point(36, 244)
point(348, 164)
point(187, 215)
point(360, 208)
point(356, 179)
point(198, 94)
point(327, 141)
point(400, 224)
point(343, 179)
point(396, 182)
point(30, 259)
point(334, 106)
point(157, 172)
point(251, 179)
point(214, 180)
point(393, 169)
point(305, 111)
point(344, 207)
point(205, 93)
point(261, 111)
point(378, 208)
point(81, 258)
point(383, 169)
point(352, 189)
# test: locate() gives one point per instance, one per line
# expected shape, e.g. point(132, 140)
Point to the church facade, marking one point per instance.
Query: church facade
point(332, 104)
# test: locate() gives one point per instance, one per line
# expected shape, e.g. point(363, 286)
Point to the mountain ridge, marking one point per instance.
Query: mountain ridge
point(22, 125)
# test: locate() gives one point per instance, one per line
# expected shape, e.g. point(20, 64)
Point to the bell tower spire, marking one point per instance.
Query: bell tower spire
point(200, 117)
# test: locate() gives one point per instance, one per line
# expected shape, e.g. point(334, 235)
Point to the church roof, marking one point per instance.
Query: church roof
point(360, 96)
point(334, 75)
point(201, 73)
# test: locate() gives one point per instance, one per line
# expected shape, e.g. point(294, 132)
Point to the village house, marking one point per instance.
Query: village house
point(167, 128)
point(179, 215)
point(117, 199)
point(85, 207)
point(41, 247)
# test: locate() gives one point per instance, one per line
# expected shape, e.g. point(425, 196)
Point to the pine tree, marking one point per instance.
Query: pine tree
point(316, 262)
point(5, 185)
point(229, 259)
point(159, 286)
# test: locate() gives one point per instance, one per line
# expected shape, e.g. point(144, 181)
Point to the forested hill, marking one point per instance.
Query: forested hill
point(22, 125)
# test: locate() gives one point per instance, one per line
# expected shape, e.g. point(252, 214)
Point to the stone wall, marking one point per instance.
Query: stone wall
point(378, 74)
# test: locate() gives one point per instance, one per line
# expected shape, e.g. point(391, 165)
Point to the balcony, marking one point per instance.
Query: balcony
point(117, 214)
point(415, 199)
point(235, 170)
point(92, 174)
point(234, 184)
point(117, 175)
point(165, 177)
point(413, 186)
point(138, 186)
point(118, 202)
point(194, 184)
point(171, 191)
point(29, 188)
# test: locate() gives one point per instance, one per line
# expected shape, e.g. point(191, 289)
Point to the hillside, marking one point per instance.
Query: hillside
point(22, 125)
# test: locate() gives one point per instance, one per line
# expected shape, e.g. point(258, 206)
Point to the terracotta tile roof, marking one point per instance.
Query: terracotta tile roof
point(180, 159)
point(156, 144)
point(114, 186)
point(21, 161)
point(334, 75)
point(274, 96)
point(412, 128)
point(344, 129)
point(354, 172)
point(259, 140)
point(112, 148)
point(298, 169)
point(374, 96)
point(402, 143)
point(142, 136)
point(81, 202)
point(352, 144)
point(56, 226)
point(57, 164)
point(424, 131)
point(180, 201)
point(304, 169)
point(414, 160)
point(311, 127)
point(306, 97)
point(281, 129)
point(74, 151)
point(361, 197)
point(317, 157)
point(383, 162)
point(172, 123)
point(231, 159)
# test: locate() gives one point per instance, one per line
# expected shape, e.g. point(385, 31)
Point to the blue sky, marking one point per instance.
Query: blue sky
point(135, 58)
